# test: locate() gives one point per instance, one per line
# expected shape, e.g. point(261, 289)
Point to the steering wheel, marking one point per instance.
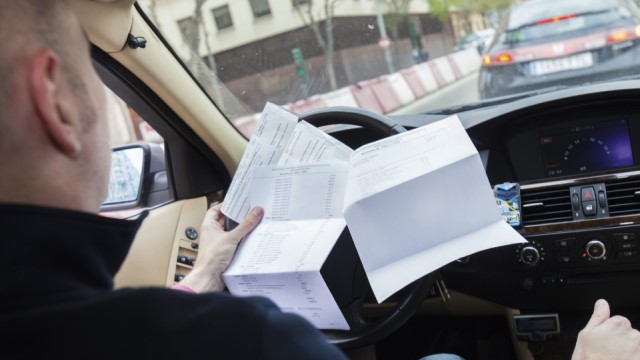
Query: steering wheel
point(344, 273)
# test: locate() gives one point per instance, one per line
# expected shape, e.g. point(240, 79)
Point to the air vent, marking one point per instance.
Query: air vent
point(623, 196)
point(545, 206)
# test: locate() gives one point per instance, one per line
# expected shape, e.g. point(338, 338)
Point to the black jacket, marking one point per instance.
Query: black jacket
point(56, 280)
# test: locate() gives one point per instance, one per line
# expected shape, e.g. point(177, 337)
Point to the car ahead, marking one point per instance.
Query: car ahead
point(544, 43)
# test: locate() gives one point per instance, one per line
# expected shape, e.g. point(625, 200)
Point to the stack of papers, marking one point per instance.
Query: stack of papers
point(413, 203)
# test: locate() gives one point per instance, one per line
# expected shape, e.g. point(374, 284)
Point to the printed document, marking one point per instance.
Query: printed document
point(282, 258)
point(417, 201)
point(273, 131)
point(413, 202)
point(303, 201)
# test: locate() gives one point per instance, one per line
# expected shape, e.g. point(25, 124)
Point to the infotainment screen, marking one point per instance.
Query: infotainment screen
point(586, 148)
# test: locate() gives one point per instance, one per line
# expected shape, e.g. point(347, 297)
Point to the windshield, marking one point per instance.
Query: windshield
point(393, 56)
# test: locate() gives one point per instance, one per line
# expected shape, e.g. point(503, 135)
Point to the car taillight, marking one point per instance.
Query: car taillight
point(555, 19)
point(621, 35)
point(502, 58)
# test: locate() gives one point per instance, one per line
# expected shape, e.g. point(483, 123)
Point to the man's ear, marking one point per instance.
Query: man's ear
point(53, 110)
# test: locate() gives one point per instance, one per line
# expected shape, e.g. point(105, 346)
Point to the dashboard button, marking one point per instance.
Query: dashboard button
point(530, 255)
point(589, 207)
point(628, 253)
point(588, 194)
point(624, 237)
point(628, 245)
point(602, 199)
point(575, 201)
point(564, 243)
point(595, 249)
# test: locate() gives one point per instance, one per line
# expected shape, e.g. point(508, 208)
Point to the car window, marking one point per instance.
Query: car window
point(125, 125)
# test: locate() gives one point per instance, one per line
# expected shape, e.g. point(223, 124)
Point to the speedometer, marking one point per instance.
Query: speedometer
point(587, 148)
point(579, 154)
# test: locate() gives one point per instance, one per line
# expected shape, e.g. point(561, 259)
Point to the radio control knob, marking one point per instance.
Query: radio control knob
point(530, 255)
point(595, 249)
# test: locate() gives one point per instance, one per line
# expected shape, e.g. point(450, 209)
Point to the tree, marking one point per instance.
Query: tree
point(324, 36)
point(441, 8)
point(205, 71)
point(397, 14)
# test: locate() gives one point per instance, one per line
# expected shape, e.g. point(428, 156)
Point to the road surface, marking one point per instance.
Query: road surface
point(463, 91)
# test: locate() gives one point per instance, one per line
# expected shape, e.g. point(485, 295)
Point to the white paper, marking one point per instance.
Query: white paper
point(308, 144)
point(417, 201)
point(272, 134)
point(283, 256)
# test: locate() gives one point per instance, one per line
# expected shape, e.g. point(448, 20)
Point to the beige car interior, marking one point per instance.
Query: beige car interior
point(152, 260)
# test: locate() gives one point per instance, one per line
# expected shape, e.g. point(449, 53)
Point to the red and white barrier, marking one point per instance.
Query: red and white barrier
point(413, 80)
point(443, 66)
point(467, 61)
point(366, 99)
point(454, 67)
point(385, 94)
point(401, 88)
point(340, 97)
point(306, 105)
point(427, 77)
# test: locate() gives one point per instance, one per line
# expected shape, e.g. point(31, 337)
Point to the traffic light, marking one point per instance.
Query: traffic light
point(298, 59)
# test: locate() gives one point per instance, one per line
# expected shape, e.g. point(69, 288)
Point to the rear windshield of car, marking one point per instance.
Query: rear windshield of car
point(544, 19)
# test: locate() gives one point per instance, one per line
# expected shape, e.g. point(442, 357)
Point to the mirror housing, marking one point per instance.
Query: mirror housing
point(138, 178)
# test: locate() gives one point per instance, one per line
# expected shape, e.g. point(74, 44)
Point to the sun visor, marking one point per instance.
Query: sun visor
point(106, 22)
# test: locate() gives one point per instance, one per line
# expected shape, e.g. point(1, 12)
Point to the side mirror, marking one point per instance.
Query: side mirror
point(138, 178)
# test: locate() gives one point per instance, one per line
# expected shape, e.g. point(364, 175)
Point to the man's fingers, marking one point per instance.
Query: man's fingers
point(215, 213)
point(601, 313)
point(249, 223)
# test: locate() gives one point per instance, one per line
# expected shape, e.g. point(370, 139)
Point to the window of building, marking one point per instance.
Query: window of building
point(299, 2)
point(188, 27)
point(222, 17)
point(260, 8)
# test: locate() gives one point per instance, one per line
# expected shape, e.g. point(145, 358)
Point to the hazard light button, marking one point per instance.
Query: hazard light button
point(588, 194)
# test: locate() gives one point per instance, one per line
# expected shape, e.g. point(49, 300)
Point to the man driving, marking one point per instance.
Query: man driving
point(59, 258)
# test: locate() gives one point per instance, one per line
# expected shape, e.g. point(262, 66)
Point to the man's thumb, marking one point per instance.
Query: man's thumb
point(601, 313)
point(249, 223)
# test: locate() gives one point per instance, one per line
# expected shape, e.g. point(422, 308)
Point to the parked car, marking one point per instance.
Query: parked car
point(544, 43)
point(479, 40)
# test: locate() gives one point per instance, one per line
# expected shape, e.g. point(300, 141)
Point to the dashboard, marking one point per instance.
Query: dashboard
point(576, 155)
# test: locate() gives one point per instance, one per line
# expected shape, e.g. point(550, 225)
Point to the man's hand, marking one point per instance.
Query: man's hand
point(607, 337)
point(217, 248)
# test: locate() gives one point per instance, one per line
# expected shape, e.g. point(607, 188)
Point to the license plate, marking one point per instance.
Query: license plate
point(544, 67)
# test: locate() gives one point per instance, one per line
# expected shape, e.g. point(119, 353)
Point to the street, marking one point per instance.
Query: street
point(461, 92)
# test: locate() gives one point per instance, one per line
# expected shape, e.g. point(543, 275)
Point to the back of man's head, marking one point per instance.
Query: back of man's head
point(49, 98)
point(26, 25)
